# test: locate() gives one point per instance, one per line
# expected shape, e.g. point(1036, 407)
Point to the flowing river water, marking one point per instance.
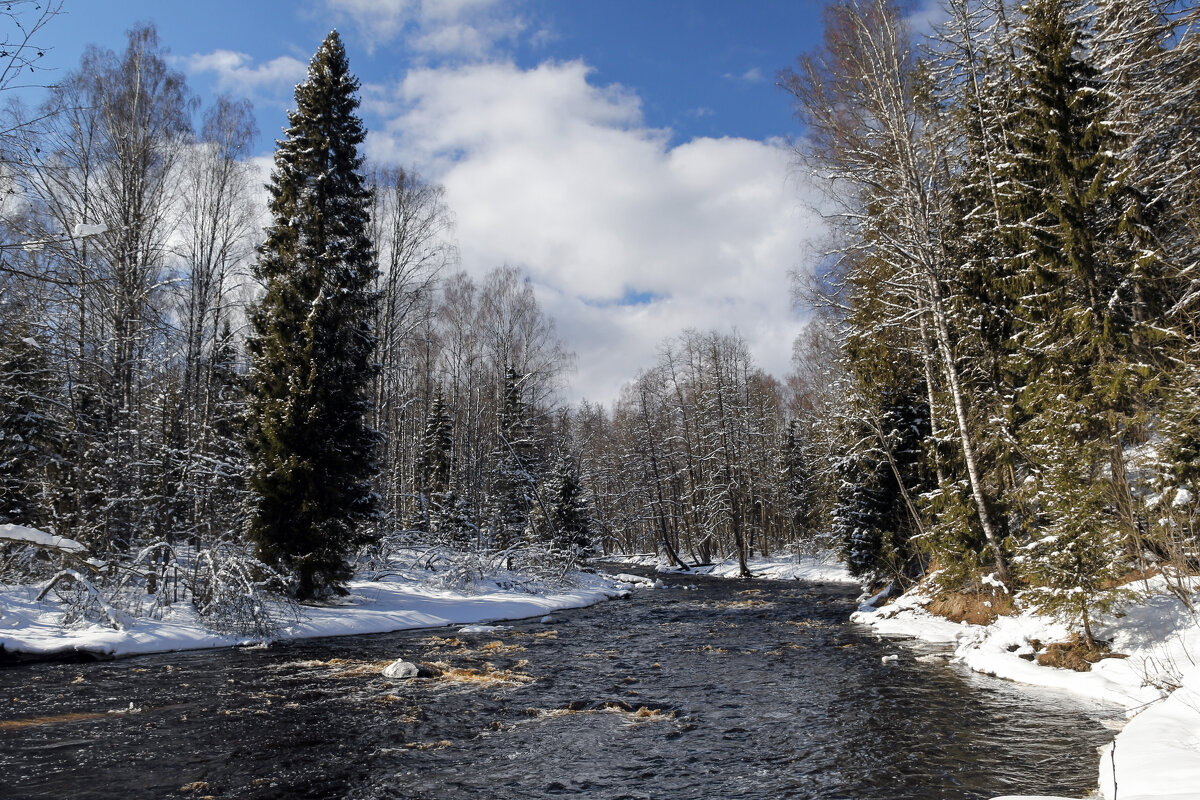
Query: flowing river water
point(725, 689)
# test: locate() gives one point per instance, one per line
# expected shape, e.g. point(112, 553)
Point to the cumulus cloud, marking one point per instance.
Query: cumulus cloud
point(626, 238)
point(236, 71)
point(469, 29)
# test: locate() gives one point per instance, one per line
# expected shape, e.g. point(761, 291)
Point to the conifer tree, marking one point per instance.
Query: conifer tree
point(880, 474)
point(437, 445)
point(311, 452)
point(218, 489)
point(30, 434)
point(513, 477)
point(561, 519)
point(797, 487)
point(1082, 341)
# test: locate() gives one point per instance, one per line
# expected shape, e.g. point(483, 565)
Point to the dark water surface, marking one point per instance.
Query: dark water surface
point(729, 690)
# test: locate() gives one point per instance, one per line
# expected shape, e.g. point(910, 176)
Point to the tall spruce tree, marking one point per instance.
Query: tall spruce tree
point(1083, 342)
point(310, 449)
point(437, 448)
point(879, 476)
point(515, 471)
point(561, 518)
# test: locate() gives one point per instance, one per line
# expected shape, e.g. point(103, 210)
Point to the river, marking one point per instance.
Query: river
point(708, 689)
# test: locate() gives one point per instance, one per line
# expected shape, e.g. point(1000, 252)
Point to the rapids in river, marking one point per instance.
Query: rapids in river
point(709, 688)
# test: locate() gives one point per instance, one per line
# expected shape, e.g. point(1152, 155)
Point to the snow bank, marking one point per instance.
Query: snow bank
point(906, 616)
point(392, 604)
point(632, 559)
point(823, 568)
point(1158, 751)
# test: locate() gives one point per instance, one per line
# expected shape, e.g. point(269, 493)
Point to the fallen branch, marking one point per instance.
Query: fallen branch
point(114, 617)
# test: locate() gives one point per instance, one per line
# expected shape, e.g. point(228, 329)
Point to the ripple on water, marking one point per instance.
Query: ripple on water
point(736, 691)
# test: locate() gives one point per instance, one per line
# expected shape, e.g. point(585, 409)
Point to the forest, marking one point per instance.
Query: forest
point(1013, 294)
point(996, 388)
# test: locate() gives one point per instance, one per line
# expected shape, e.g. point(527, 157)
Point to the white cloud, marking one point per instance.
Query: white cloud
point(470, 29)
point(236, 71)
point(752, 75)
point(925, 16)
point(548, 171)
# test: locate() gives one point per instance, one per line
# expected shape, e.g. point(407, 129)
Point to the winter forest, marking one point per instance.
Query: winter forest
point(996, 384)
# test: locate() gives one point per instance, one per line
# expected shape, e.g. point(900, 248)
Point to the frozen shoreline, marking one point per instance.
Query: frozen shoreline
point(33, 629)
point(1158, 751)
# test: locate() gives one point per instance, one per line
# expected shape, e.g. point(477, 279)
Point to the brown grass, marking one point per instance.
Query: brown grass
point(500, 648)
point(1131, 576)
point(1074, 653)
point(977, 608)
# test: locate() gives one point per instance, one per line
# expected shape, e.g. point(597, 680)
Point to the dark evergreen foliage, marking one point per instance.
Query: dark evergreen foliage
point(873, 517)
point(1082, 350)
point(799, 491)
point(442, 508)
point(561, 517)
point(311, 452)
point(515, 471)
point(30, 431)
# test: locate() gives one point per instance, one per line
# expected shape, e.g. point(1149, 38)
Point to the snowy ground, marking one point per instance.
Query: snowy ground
point(407, 598)
point(1157, 754)
point(823, 568)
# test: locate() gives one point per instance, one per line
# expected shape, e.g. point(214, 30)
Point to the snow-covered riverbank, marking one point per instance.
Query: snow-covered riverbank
point(824, 568)
point(1157, 754)
point(396, 602)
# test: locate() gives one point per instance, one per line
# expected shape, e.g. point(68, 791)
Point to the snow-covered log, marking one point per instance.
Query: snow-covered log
point(20, 534)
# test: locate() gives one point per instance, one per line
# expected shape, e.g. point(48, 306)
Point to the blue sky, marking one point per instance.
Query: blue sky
point(630, 155)
point(700, 67)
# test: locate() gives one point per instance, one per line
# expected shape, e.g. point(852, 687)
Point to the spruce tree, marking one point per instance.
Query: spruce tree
point(311, 452)
point(798, 489)
point(879, 476)
point(30, 433)
point(437, 446)
point(561, 518)
point(1083, 344)
point(513, 478)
